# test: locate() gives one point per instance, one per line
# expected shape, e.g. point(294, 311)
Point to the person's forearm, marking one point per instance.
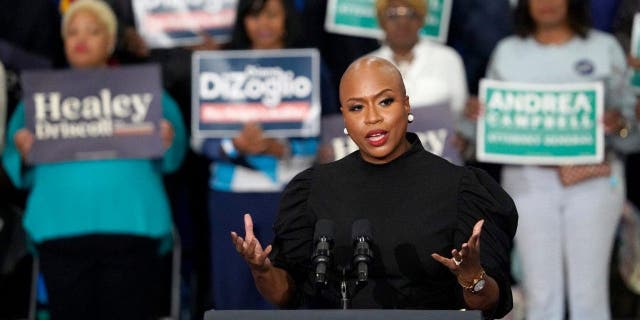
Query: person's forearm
point(484, 300)
point(275, 285)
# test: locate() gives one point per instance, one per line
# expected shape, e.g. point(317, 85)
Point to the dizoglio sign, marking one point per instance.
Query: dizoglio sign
point(276, 88)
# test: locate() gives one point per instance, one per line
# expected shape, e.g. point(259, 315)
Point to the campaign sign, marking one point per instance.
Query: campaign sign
point(277, 88)
point(359, 18)
point(173, 23)
point(434, 125)
point(3, 121)
point(635, 51)
point(94, 113)
point(3, 107)
point(550, 124)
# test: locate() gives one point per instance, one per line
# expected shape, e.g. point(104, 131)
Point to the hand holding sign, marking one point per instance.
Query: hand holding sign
point(250, 140)
point(208, 43)
point(473, 108)
point(23, 140)
point(633, 62)
point(134, 43)
point(166, 133)
point(615, 123)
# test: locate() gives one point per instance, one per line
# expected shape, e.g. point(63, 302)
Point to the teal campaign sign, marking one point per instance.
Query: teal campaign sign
point(358, 18)
point(551, 124)
point(635, 51)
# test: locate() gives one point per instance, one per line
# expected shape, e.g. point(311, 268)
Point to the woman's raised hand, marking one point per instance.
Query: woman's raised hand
point(250, 248)
point(465, 262)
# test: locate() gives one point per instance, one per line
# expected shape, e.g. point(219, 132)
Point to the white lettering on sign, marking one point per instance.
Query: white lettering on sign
point(209, 5)
point(551, 111)
point(269, 85)
point(56, 117)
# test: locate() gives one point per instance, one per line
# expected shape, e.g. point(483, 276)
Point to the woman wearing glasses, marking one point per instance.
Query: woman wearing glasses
point(433, 73)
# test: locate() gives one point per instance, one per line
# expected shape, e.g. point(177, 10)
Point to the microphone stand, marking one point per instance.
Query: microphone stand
point(344, 291)
point(354, 275)
point(349, 287)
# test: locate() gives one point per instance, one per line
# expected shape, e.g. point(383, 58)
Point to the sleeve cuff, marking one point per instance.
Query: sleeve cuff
point(228, 148)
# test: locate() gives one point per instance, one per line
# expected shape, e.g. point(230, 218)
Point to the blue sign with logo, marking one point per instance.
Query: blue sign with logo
point(170, 23)
point(277, 88)
point(94, 113)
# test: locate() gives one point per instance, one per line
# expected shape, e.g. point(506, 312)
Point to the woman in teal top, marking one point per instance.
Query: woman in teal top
point(97, 224)
point(70, 199)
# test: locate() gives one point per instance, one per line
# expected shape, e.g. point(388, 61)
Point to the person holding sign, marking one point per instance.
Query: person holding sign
point(440, 234)
point(568, 214)
point(626, 28)
point(250, 169)
point(433, 73)
point(98, 225)
point(3, 105)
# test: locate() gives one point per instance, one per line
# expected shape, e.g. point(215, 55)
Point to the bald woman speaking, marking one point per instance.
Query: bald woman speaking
point(442, 233)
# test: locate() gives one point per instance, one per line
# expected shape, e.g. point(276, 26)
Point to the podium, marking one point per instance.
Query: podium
point(350, 314)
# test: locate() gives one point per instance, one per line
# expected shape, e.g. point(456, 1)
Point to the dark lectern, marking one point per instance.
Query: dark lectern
point(351, 314)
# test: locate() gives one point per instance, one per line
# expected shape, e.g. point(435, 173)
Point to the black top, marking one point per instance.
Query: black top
point(417, 204)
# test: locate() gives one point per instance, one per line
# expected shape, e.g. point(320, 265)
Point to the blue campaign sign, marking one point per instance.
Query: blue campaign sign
point(170, 23)
point(94, 114)
point(277, 88)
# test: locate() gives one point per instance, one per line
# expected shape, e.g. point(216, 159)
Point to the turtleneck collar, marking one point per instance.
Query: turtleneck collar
point(416, 147)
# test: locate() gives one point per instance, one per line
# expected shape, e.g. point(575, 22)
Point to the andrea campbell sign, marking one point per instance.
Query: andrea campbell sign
point(550, 124)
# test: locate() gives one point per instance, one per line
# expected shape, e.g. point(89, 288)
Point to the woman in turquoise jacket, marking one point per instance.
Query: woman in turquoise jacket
point(97, 224)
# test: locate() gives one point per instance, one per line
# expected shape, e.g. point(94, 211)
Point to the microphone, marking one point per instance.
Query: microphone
point(362, 253)
point(323, 239)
